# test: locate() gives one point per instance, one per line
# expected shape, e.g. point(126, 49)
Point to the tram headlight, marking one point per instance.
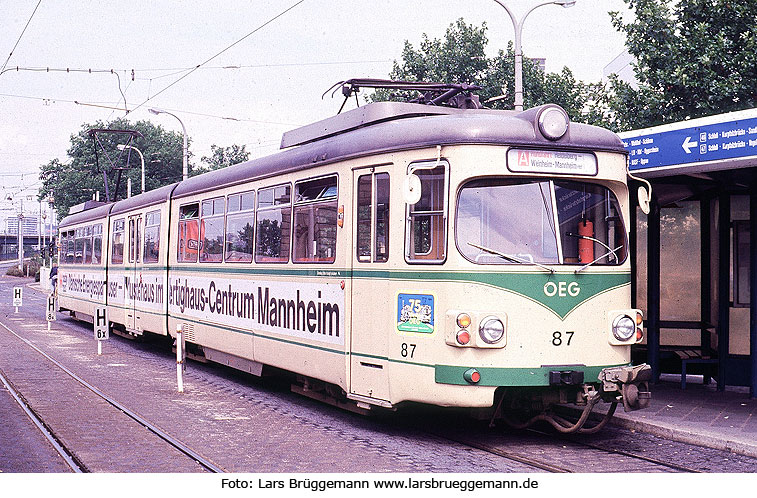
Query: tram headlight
point(491, 330)
point(553, 122)
point(623, 328)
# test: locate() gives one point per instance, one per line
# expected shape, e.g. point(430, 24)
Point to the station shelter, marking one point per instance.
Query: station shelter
point(696, 250)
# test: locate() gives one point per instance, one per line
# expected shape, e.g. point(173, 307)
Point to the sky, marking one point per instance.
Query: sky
point(275, 59)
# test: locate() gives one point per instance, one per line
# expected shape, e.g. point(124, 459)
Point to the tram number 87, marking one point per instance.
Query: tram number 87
point(408, 350)
point(557, 338)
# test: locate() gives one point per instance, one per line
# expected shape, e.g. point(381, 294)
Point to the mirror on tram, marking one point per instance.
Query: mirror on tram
point(644, 200)
point(411, 189)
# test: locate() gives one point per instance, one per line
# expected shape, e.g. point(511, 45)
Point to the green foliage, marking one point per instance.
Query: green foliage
point(460, 58)
point(694, 58)
point(30, 267)
point(221, 157)
point(75, 181)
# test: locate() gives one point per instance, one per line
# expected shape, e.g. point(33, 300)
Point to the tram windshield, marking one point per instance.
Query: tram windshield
point(517, 221)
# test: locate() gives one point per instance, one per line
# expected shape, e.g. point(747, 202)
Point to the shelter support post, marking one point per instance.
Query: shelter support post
point(653, 289)
point(724, 283)
point(753, 290)
point(705, 275)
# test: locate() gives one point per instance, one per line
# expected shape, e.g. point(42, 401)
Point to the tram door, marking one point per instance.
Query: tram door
point(133, 273)
point(372, 309)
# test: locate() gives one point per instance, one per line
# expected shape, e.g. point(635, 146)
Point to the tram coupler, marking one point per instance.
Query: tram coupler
point(631, 383)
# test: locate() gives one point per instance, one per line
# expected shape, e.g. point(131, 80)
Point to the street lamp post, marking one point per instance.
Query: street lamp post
point(184, 171)
point(141, 158)
point(51, 204)
point(518, 27)
point(44, 238)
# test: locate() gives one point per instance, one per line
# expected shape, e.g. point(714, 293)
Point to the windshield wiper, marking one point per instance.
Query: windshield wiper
point(612, 251)
point(578, 235)
point(509, 257)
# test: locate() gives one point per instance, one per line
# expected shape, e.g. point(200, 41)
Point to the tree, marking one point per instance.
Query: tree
point(75, 181)
point(460, 58)
point(693, 58)
point(221, 157)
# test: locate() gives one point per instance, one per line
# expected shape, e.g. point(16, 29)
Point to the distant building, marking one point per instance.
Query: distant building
point(31, 226)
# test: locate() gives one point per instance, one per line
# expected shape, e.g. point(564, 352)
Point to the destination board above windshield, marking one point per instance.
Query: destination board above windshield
point(551, 162)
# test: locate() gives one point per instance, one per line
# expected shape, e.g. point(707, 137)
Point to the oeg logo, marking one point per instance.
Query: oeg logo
point(561, 289)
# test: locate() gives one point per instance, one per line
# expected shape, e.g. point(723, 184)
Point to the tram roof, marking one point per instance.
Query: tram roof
point(149, 198)
point(375, 128)
point(95, 213)
point(391, 126)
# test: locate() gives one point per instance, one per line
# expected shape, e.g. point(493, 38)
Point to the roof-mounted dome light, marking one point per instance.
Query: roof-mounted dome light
point(553, 122)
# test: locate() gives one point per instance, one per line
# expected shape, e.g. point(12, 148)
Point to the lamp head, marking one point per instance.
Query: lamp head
point(565, 3)
point(121, 146)
point(154, 111)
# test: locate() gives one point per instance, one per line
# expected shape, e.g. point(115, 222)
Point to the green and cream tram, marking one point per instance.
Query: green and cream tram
point(398, 252)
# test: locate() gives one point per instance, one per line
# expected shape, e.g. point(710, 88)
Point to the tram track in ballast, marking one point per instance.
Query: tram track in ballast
point(66, 455)
point(67, 444)
point(558, 453)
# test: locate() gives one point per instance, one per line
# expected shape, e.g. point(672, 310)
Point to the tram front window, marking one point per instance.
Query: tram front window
point(506, 221)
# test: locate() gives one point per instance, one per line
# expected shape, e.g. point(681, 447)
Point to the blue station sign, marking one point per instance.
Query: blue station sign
point(720, 138)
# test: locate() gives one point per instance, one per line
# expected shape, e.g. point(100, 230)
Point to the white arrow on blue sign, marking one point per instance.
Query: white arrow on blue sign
point(721, 138)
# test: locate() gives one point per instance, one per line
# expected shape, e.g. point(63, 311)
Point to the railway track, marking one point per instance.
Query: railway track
point(218, 398)
point(553, 453)
point(558, 453)
point(69, 454)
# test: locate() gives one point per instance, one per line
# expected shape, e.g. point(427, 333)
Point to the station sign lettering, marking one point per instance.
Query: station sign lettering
point(725, 138)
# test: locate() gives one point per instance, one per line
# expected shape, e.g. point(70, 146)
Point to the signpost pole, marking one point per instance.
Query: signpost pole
point(180, 357)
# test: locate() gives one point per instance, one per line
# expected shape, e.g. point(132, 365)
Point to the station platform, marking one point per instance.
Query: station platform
point(698, 415)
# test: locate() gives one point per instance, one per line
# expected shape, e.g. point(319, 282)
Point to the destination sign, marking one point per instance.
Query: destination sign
point(717, 138)
point(549, 161)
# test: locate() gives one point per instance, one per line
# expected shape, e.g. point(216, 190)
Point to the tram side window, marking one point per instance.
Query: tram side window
point(67, 247)
point(426, 236)
point(97, 243)
point(71, 251)
point(117, 254)
point(152, 237)
point(274, 224)
point(211, 230)
point(315, 211)
point(87, 231)
point(188, 233)
point(135, 227)
point(79, 246)
point(368, 219)
point(240, 220)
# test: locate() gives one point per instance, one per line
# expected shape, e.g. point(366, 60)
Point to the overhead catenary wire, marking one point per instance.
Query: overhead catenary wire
point(109, 105)
point(179, 70)
point(19, 37)
point(274, 18)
